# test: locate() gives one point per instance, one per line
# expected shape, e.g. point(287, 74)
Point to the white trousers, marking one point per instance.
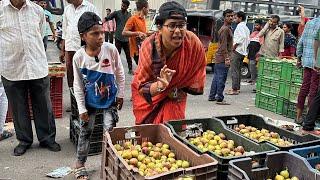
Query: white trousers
point(3, 108)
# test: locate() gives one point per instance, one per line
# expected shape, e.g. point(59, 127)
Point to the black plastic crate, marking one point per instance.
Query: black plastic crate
point(258, 122)
point(95, 139)
point(241, 169)
point(74, 106)
point(177, 127)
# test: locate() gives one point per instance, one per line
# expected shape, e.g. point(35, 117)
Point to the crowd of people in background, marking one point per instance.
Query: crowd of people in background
point(166, 71)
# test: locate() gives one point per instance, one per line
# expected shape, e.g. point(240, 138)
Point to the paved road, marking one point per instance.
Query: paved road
point(37, 162)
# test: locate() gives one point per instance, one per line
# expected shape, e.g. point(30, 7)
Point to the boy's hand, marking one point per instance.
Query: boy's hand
point(84, 117)
point(119, 102)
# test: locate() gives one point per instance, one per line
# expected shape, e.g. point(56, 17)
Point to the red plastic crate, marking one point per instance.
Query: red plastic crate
point(56, 96)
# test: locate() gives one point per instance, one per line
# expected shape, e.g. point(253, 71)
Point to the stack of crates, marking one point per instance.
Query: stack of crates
point(278, 86)
point(97, 134)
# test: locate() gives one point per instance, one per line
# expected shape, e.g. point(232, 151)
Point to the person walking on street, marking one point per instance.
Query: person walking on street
point(306, 59)
point(48, 25)
point(24, 69)
point(314, 110)
point(222, 59)
point(71, 39)
point(240, 45)
point(290, 41)
point(99, 83)
point(109, 28)
point(172, 64)
point(273, 38)
point(253, 49)
point(121, 17)
point(136, 28)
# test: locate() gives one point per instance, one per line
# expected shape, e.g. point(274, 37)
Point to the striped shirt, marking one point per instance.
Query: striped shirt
point(22, 54)
point(305, 48)
point(71, 17)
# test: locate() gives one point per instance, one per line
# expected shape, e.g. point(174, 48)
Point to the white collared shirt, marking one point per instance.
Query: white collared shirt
point(22, 54)
point(241, 37)
point(71, 17)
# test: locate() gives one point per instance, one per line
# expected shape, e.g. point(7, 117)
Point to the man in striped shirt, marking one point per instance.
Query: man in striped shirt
point(24, 69)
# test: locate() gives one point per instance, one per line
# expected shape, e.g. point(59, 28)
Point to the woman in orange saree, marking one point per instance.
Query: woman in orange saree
point(171, 65)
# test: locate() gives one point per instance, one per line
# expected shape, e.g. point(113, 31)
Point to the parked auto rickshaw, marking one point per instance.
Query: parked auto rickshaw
point(204, 24)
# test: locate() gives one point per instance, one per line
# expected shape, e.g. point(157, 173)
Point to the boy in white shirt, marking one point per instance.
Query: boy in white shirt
point(99, 82)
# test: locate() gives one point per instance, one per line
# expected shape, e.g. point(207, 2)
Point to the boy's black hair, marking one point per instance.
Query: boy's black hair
point(241, 15)
point(86, 22)
point(126, 2)
point(141, 4)
point(276, 17)
point(227, 11)
point(108, 9)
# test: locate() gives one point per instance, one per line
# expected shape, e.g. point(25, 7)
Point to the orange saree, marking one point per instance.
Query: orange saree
point(190, 64)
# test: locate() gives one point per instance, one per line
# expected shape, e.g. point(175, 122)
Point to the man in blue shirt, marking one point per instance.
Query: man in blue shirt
point(305, 54)
point(49, 24)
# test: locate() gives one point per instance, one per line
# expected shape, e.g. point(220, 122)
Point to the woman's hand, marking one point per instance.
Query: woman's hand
point(165, 78)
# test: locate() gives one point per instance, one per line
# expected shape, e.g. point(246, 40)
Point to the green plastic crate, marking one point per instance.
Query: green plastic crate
point(273, 87)
point(297, 75)
point(270, 68)
point(269, 102)
point(260, 149)
point(294, 92)
point(290, 110)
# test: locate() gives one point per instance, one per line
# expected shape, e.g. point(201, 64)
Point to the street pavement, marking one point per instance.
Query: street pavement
point(37, 162)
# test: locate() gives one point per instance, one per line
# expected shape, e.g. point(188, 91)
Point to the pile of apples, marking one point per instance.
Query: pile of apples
point(218, 144)
point(262, 135)
point(284, 175)
point(150, 159)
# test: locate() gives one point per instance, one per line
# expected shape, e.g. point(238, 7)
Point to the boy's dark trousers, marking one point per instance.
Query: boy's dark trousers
point(86, 129)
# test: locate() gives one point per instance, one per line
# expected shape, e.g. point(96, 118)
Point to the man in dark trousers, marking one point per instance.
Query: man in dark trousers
point(24, 68)
point(121, 18)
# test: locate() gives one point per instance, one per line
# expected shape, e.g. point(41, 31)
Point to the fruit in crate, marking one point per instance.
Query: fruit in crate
point(262, 135)
point(150, 159)
point(218, 144)
point(317, 167)
point(284, 175)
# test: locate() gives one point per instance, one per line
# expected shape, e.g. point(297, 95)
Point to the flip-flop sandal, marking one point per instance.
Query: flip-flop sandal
point(222, 103)
point(81, 173)
point(232, 93)
point(5, 135)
